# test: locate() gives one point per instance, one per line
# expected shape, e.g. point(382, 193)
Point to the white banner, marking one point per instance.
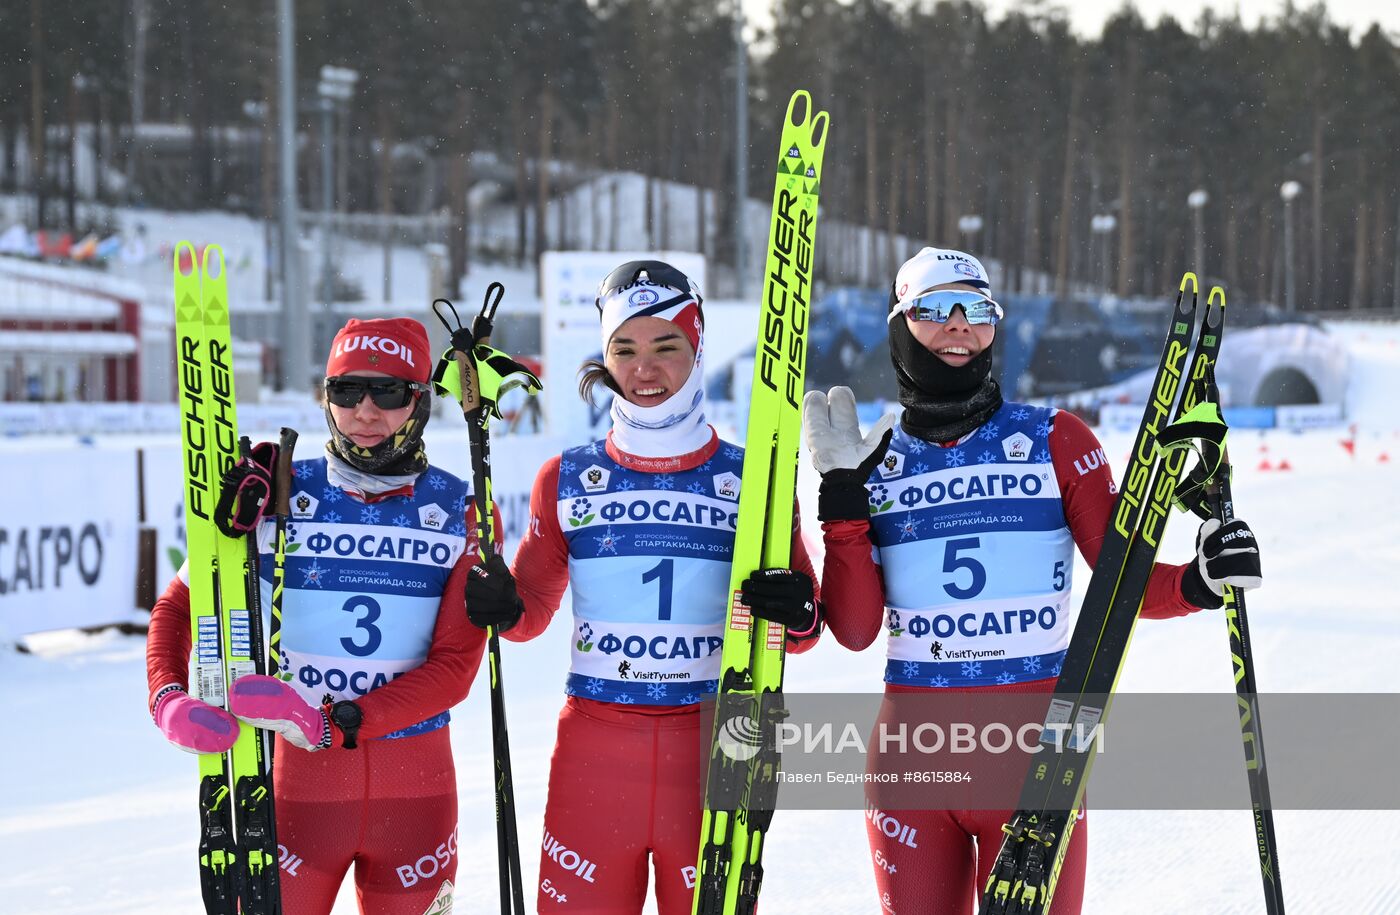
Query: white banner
point(165, 509)
point(569, 327)
point(67, 539)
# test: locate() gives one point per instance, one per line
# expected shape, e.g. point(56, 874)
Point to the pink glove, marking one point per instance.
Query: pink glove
point(267, 702)
point(192, 725)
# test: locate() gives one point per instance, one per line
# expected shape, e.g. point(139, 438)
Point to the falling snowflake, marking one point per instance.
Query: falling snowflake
point(313, 574)
point(656, 691)
point(909, 527)
point(594, 685)
point(989, 432)
point(1031, 665)
point(911, 668)
point(330, 494)
point(369, 514)
point(437, 481)
point(1006, 678)
point(332, 518)
point(1020, 414)
point(626, 486)
point(666, 481)
point(697, 489)
point(939, 681)
point(733, 453)
point(971, 669)
point(401, 521)
point(986, 457)
point(608, 542)
point(956, 457)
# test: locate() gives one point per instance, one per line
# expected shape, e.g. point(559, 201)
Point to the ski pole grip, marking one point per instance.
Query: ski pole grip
point(286, 444)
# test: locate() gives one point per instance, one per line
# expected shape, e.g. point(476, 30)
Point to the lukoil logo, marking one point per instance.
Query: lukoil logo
point(376, 344)
point(740, 738)
point(567, 858)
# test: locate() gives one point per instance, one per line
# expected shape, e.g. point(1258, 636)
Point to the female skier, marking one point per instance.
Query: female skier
point(641, 525)
point(965, 539)
point(376, 646)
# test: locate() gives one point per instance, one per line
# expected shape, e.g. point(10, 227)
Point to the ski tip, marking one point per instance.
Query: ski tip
point(817, 138)
point(1189, 277)
point(804, 98)
point(185, 255)
point(213, 263)
point(1216, 292)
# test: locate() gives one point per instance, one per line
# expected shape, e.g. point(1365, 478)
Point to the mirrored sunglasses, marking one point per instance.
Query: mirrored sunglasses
point(938, 307)
point(659, 273)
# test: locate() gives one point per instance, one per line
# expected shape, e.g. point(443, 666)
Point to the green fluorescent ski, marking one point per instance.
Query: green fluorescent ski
point(740, 792)
point(238, 857)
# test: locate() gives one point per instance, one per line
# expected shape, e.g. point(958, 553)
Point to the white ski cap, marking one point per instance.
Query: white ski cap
point(934, 267)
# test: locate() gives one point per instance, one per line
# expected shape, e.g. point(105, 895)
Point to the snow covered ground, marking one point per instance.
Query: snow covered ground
point(99, 815)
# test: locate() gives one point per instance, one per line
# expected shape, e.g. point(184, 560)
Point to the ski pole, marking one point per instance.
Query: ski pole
point(1221, 504)
point(482, 375)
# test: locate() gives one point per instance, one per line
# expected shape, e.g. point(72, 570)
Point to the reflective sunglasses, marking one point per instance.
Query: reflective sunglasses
point(387, 393)
point(659, 273)
point(938, 306)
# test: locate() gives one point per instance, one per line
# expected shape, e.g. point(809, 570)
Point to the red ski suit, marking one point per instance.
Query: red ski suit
point(956, 848)
point(626, 781)
point(388, 806)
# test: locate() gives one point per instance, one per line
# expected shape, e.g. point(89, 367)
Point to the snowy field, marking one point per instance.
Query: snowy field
point(99, 814)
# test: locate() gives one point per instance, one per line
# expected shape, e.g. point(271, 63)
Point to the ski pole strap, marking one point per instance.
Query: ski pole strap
point(246, 491)
point(496, 374)
point(1200, 429)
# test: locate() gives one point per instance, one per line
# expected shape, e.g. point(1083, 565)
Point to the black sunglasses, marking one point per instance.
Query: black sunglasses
point(387, 393)
point(658, 273)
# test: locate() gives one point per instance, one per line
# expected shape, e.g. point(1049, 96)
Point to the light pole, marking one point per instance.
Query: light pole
point(256, 112)
point(1197, 200)
point(295, 348)
point(1288, 190)
point(741, 153)
point(969, 226)
point(336, 88)
point(1102, 226)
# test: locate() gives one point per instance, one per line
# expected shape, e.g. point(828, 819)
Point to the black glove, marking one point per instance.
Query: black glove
point(843, 457)
point(491, 597)
point(247, 490)
point(1226, 554)
point(782, 596)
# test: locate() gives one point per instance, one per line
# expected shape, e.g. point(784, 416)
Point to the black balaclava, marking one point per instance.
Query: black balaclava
point(401, 453)
point(942, 403)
